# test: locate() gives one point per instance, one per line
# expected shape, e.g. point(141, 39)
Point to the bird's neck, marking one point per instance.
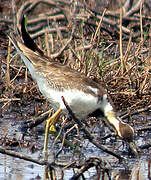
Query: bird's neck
point(113, 121)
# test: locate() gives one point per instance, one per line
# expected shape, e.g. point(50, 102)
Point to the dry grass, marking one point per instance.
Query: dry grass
point(123, 67)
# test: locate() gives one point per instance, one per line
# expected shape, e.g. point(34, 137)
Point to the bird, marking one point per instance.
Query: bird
point(83, 95)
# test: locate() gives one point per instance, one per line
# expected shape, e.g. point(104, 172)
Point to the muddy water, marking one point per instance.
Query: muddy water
point(13, 168)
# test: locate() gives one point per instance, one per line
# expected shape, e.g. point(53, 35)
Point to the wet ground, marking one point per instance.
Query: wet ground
point(32, 145)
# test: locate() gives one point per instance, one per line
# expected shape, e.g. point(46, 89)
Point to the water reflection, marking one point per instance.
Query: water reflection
point(138, 171)
point(13, 168)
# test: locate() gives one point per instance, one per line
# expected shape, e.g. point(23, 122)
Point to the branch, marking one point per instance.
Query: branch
point(91, 162)
point(88, 135)
point(24, 157)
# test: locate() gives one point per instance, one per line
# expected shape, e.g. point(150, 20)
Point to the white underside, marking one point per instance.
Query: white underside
point(81, 103)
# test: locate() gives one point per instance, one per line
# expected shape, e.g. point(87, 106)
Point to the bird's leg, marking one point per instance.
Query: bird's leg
point(50, 122)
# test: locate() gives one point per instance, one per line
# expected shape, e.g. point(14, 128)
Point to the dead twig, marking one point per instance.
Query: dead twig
point(121, 45)
point(24, 157)
point(8, 61)
point(89, 163)
point(145, 146)
point(47, 43)
point(147, 128)
point(99, 27)
point(63, 140)
point(40, 162)
point(127, 114)
point(9, 99)
point(62, 49)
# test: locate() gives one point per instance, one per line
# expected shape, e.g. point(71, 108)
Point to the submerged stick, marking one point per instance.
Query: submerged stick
point(22, 156)
point(30, 159)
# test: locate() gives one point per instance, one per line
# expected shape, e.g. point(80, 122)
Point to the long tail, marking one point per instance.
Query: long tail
point(28, 41)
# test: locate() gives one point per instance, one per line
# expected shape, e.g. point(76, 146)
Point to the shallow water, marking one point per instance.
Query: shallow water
point(13, 168)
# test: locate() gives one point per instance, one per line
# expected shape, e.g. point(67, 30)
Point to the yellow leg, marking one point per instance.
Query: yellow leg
point(50, 121)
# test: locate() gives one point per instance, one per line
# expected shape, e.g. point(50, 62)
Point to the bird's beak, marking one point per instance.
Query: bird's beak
point(133, 148)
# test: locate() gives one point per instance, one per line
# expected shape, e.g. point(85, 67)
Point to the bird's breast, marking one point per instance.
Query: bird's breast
point(81, 103)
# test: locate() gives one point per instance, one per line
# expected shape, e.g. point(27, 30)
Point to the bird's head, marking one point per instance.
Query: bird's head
point(123, 130)
point(126, 132)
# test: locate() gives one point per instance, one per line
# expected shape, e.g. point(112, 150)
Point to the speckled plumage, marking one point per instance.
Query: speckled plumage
point(56, 80)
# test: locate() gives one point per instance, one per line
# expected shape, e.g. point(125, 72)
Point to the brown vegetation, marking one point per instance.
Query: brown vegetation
point(110, 43)
point(109, 49)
